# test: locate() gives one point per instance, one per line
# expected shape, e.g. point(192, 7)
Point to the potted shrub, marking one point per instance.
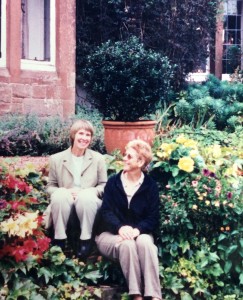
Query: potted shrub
point(127, 83)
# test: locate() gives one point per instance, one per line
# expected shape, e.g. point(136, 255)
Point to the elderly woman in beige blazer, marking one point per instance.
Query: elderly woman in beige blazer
point(77, 177)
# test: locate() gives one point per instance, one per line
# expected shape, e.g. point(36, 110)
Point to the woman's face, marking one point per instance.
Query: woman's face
point(131, 160)
point(82, 140)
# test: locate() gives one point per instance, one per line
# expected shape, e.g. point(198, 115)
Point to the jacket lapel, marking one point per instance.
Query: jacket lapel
point(87, 160)
point(67, 161)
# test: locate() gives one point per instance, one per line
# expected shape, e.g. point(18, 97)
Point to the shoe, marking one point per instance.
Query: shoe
point(59, 243)
point(84, 249)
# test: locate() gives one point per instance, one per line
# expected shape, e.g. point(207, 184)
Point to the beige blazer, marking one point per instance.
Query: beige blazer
point(93, 175)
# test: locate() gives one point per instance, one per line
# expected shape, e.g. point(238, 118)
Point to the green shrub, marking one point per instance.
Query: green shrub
point(35, 136)
point(31, 135)
point(214, 102)
point(205, 136)
point(201, 237)
point(126, 81)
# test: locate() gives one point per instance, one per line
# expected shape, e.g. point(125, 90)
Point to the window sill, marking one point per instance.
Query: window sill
point(33, 65)
point(4, 72)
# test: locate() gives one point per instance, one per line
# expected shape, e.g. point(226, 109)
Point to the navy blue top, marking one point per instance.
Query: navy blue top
point(142, 213)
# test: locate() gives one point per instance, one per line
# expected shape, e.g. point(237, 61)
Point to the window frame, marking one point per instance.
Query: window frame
point(3, 33)
point(227, 14)
point(27, 64)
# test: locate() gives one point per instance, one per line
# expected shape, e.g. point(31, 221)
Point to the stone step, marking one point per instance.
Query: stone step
point(111, 292)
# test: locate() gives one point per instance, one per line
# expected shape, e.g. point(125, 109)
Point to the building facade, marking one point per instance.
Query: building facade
point(226, 56)
point(37, 57)
point(37, 54)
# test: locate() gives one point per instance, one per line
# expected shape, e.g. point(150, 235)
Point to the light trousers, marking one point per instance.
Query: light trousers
point(86, 204)
point(138, 259)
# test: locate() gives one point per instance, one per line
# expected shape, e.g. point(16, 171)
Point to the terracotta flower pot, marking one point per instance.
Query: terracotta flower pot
point(118, 134)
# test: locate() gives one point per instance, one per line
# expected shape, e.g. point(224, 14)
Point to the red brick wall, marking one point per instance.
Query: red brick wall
point(42, 92)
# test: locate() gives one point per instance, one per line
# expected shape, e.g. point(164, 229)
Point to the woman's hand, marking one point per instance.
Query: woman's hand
point(74, 192)
point(128, 232)
point(136, 233)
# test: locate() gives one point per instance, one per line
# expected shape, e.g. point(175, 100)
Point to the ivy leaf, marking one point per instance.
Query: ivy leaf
point(231, 249)
point(241, 278)
point(93, 276)
point(221, 237)
point(175, 171)
point(184, 246)
point(185, 296)
point(46, 273)
point(213, 256)
point(216, 270)
point(228, 266)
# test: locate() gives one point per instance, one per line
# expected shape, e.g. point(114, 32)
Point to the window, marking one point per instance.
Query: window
point(233, 36)
point(2, 33)
point(38, 34)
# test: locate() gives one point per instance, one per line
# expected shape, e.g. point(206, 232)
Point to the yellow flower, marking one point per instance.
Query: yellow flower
point(216, 151)
point(181, 139)
point(27, 223)
point(190, 144)
point(194, 206)
point(61, 257)
point(10, 226)
point(193, 153)
point(168, 147)
point(20, 225)
point(186, 164)
point(219, 162)
point(29, 167)
point(217, 204)
point(162, 154)
point(207, 202)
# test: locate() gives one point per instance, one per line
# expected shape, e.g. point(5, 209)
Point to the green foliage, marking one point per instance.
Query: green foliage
point(29, 268)
point(35, 136)
point(126, 81)
point(200, 238)
point(55, 277)
point(205, 136)
point(30, 135)
point(180, 30)
point(215, 103)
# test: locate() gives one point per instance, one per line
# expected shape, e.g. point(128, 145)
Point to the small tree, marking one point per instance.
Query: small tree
point(127, 81)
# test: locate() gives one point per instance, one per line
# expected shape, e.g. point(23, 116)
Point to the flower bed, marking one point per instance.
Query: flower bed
point(37, 163)
point(200, 239)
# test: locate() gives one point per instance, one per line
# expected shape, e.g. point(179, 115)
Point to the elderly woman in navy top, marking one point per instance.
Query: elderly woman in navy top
point(130, 215)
